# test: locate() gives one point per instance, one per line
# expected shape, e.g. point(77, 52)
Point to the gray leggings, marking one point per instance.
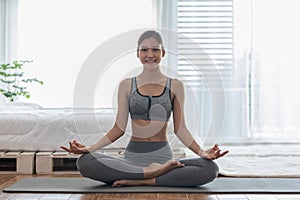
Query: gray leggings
point(108, 169)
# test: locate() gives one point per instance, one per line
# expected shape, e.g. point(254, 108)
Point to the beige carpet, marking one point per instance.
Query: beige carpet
point(266, 160)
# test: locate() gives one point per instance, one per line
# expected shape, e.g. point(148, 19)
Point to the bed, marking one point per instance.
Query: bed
point(29, 127)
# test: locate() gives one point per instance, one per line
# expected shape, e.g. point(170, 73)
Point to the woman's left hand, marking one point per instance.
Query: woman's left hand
point(213, 153)
point(75, 147)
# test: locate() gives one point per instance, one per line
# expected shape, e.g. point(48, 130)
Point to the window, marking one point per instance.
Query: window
point(205, 63)
point(209, 27)
point(254, 48)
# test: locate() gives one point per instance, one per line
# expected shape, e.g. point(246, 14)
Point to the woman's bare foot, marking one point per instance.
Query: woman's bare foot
point(156, 169)
point(134, 182)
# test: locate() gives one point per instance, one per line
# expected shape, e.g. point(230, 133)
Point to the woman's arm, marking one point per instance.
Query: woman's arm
point(181, 130)
point(116, 131)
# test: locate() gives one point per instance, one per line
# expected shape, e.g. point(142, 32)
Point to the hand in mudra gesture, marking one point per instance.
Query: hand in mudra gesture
point(212, 153)
point(75, 147)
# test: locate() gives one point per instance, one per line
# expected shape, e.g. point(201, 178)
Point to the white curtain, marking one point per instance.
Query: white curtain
point(165, 18)
point(275, 69)
point(8, 33)
point(8, 30)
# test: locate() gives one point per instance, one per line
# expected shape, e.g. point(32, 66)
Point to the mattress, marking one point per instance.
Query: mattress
point(33, 128)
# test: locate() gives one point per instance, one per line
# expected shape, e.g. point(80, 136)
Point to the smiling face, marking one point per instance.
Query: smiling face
point(150, 53)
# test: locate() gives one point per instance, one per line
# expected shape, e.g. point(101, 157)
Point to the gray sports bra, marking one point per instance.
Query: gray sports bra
point(150, 107)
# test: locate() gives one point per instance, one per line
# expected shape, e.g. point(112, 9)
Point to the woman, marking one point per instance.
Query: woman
point(149, 98)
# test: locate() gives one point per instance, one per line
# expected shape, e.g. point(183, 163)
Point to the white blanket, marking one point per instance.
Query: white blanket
point(32, 128)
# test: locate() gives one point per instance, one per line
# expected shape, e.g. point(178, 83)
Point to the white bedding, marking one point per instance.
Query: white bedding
point(32, 128)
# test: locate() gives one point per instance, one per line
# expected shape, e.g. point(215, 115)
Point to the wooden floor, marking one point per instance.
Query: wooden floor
point(6, 180)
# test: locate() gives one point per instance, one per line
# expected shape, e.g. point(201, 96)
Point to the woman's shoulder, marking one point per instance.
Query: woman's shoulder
point(126, 81)
point(125, 84)
point(177, 86)
point(176, 82)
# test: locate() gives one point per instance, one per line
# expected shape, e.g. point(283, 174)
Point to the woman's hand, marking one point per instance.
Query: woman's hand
point(76, 147)
point(212, 153)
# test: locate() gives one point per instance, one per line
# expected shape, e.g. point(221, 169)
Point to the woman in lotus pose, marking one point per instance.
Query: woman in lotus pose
point(149, 98)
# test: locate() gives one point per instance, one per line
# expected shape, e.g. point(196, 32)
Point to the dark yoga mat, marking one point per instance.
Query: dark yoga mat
point(220, 185)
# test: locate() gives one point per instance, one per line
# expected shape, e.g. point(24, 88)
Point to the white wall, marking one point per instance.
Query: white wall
point(59, 36)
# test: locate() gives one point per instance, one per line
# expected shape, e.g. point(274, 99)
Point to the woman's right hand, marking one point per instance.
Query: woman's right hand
point(75, 147)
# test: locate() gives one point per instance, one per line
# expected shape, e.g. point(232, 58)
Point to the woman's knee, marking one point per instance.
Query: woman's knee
point(83, 163)
point(212, 170)
point(207, 173)
point(214, 166)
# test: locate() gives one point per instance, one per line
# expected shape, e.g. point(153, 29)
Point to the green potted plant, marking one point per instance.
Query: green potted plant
point(13, 82)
